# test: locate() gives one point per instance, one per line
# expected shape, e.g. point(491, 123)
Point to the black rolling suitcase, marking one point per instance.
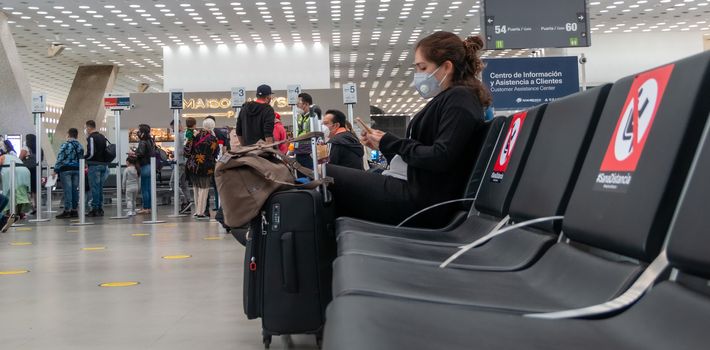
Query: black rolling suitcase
point(288, 263)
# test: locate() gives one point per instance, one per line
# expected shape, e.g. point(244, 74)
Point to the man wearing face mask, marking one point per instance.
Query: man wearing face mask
point(345, 149)
point(303, 149)
point(256, 119)
point(96, 160)
point(441, 145)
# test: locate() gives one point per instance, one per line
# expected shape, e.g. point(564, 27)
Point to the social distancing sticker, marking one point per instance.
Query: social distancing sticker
point(177, 257)
point(13, 272)
point(93, 248)
point(119, 284)
point(20, 243)
point(632, 130)
point(506, 152)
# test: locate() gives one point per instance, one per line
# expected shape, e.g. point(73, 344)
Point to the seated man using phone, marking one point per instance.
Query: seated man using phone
point(345, 148)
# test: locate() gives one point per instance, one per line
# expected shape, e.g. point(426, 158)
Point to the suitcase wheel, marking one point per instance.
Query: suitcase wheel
point(267, 341)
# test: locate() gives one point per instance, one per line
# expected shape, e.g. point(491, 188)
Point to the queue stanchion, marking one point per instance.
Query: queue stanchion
point(48, 187)
point(350, 99)
point(583, 63)
point(177, 153)
point(82, 195)
point(38, 173)
point(119, 183)
point(49, 201)
point(153, 195)
point(292, 92)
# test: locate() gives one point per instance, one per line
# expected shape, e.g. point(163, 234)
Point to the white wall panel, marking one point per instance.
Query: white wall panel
point(613, 56)
point(222, 67)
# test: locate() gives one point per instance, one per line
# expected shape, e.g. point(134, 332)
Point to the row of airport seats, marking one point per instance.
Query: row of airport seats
point(587, 232)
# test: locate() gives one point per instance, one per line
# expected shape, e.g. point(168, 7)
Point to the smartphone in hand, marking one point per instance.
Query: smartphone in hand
point(364, 126)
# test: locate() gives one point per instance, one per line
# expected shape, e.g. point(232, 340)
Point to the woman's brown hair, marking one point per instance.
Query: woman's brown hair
point(463, 54)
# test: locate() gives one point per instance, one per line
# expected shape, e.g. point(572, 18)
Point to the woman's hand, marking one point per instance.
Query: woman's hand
point(372, 139)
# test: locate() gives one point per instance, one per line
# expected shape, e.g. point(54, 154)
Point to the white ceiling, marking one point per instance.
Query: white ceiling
point(370, 40)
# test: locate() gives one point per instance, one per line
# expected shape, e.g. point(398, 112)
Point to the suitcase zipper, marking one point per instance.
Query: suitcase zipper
point(264, 223)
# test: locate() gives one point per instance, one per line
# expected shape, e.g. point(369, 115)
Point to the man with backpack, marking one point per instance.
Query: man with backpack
point(97, 158)
point(256, 119)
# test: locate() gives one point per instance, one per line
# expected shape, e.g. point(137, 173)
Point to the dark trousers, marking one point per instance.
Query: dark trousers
point(369, 196)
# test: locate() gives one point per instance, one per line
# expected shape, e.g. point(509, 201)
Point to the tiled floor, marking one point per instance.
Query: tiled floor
point(193, 303)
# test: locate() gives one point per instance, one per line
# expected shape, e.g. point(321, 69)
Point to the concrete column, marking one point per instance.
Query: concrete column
point(85, 100)
point(15, 90)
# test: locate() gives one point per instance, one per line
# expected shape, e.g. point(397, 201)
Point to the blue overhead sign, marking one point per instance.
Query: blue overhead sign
point(518, 83)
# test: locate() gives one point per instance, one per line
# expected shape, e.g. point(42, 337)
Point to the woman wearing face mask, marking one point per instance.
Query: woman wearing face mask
point(433, 163)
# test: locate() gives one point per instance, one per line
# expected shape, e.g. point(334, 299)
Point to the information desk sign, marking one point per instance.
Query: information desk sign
point(518, 83)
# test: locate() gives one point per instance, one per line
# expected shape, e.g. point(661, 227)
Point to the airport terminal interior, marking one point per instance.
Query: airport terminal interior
point(354, 174)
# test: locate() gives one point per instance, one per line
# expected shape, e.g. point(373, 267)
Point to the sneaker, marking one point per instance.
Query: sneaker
point(74, 214)
point(64, 215)
point(185, 207)
point(131, 213)
point(9, 221)
point(91, 213)
point(100, 212)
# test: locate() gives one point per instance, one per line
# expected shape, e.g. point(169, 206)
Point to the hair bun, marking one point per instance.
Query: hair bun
point(473, 43)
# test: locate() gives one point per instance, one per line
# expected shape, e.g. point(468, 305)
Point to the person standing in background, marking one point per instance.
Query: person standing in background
point(185, 194)
point(144, 152)
point(98, 167)
point(256, 119)
point(203, 150)
point(130, 183)
point(67, 167)
point(303, 149)
point(28, 155)
point(190, 131)
point(280, 133)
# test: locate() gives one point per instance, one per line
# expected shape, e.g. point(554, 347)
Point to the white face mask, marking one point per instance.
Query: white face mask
point(86, 132)
point(426, 84)
point(326, 131)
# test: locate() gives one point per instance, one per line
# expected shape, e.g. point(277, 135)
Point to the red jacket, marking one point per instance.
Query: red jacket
point(280, 135)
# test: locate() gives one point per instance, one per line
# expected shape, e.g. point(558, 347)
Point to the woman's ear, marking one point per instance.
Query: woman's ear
point(449, 68)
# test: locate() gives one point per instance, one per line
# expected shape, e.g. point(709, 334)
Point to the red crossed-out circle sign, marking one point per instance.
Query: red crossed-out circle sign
point(516, 126)
point(636, 120)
